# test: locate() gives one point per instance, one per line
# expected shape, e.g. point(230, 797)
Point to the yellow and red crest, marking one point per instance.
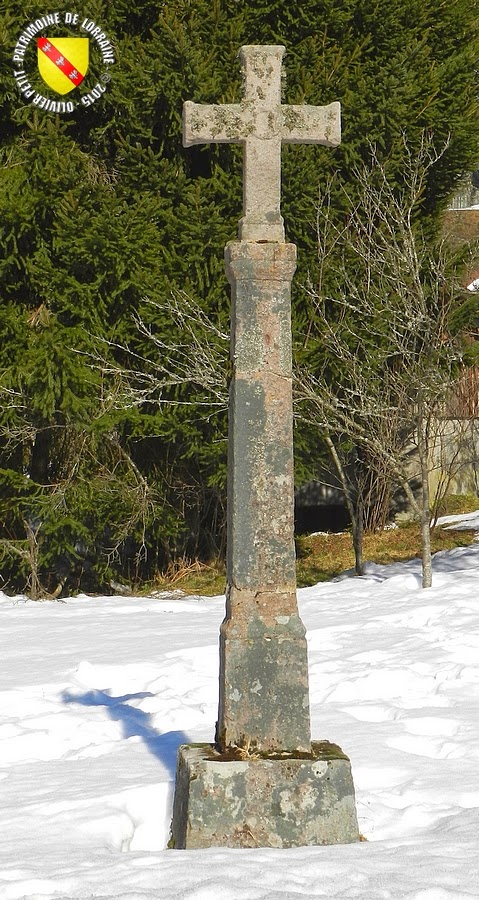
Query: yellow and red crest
point(63, 62)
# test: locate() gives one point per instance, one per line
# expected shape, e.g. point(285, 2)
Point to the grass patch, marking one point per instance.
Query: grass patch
point(323, 556)
point(455, 504)
point(192, 577)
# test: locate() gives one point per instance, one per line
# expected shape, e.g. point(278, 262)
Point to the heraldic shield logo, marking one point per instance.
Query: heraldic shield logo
point(63, 62)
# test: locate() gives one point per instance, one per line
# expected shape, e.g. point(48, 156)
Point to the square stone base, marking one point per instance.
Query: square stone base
point(224, 800)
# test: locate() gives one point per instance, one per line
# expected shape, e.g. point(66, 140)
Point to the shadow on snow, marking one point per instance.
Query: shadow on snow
point(135, 722)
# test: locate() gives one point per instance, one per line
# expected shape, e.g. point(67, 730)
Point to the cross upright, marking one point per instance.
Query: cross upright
point(261, 123)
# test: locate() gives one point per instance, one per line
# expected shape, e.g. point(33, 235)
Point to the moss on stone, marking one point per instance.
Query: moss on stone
point(320, 750)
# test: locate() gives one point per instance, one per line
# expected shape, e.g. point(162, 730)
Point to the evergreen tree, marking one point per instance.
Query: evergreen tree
point(102, 211)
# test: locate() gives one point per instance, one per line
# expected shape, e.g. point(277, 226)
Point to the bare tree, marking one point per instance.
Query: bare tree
point(198, 357)
point(50, 525)
point(381, 315)
point(386, 354)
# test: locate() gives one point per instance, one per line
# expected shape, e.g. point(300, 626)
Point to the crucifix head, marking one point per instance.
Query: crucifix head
point(261, 123)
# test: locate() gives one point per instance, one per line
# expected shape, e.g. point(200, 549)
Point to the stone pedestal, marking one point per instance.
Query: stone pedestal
point(285, 802)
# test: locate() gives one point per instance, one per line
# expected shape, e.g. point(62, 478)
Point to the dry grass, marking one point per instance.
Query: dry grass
point(455, 504)
point(192, 577)
point(321, 557)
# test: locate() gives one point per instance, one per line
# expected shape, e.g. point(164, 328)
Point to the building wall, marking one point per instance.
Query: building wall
point(454, 461)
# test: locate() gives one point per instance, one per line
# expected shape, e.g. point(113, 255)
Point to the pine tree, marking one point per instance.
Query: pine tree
point(104, 215)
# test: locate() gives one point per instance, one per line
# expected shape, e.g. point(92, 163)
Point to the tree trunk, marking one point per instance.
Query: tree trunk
point(426, 530)
point(423, 447)
point(357, 524)
point(355, 512)
point(40, 458)
point(36, 591)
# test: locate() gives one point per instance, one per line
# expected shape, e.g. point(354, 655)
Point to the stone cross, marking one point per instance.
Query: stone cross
point(263, 782)
point(264, 699)
point(262, 123)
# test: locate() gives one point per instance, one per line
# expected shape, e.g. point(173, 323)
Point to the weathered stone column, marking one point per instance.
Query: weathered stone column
point(264, 699)
point(264, 783)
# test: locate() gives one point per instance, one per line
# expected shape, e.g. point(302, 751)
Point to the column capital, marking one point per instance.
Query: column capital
point(267, 261)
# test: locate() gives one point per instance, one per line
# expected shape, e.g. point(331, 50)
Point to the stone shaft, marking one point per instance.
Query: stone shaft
point(264, 697)
point(261, 123)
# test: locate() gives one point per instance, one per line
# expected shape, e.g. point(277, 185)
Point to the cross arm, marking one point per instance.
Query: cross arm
point(312, 124)
point(203, 122)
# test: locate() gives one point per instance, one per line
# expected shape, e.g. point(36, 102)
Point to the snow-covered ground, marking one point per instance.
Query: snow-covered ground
point(96, 694)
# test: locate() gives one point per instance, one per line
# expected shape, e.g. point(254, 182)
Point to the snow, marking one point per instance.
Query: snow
point(96, 694)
